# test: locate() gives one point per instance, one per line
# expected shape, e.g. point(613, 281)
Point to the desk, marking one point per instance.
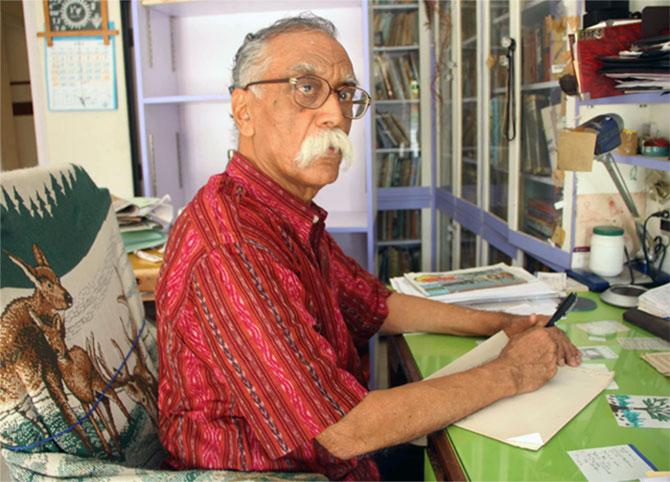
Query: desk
point(458, 454)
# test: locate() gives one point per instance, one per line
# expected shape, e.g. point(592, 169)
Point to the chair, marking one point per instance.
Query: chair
point(78, 361)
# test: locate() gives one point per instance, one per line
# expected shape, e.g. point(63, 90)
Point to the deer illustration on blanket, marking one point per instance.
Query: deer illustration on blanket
point(34, 357)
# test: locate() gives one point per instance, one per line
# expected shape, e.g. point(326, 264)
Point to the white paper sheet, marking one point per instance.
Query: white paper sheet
point(619, 462)
point(545, 411)
point(603, 368)
point(603, 328)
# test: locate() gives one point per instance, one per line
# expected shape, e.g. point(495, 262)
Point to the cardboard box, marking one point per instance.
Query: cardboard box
point(575, 149)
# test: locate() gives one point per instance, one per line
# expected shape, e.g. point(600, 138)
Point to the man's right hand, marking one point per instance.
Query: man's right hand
point(531, 358)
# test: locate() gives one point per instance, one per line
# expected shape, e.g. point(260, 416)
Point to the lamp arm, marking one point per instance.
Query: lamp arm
point(620, 184)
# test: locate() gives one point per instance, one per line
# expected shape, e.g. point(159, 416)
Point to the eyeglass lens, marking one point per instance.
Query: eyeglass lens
point(312, 92)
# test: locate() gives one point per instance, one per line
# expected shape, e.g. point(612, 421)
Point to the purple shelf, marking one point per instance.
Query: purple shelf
point(658, 163)
point(403, 198)
point(185, 99)
point(644, 98)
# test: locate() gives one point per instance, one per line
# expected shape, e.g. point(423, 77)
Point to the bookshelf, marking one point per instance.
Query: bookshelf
point(182, 58)
point(500, 199)
point(401, 136)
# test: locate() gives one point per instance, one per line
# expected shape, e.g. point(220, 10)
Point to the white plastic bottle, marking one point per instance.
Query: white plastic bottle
point(607, 253)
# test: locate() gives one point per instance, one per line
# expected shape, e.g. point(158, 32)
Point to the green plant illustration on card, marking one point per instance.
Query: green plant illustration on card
point(640, 411)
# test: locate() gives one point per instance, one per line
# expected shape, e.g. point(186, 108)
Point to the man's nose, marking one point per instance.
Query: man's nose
point(330, 113)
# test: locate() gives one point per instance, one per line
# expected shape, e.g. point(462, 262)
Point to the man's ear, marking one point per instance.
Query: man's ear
point(241, 107)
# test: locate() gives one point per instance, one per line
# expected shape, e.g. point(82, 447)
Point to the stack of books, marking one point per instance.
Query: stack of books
point(143, 221)
point(656, 301)
point(396, 77)
point(395, 29)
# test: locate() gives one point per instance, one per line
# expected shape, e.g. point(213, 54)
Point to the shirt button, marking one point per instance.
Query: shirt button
point(316, 219)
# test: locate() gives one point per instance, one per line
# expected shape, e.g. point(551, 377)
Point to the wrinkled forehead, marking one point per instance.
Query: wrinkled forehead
point(309, 52)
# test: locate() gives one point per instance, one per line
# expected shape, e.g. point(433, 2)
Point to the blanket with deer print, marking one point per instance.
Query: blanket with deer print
point(77, 359)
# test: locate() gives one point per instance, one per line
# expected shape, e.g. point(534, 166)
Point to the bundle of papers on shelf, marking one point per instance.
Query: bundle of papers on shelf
point(656, 301)
point(143, 221)
point(496, 287)
point(642, 68)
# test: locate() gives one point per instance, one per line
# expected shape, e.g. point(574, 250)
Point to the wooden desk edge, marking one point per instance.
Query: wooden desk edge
point(441, 453)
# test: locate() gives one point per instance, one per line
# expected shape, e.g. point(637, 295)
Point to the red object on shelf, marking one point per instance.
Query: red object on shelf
point(656, 141)
point(597, 42)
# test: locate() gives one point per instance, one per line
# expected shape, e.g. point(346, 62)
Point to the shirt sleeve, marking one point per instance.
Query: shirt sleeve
point(261, 342)
point(361, 296)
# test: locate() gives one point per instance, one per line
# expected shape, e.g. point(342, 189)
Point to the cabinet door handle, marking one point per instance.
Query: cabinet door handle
point(510, 100)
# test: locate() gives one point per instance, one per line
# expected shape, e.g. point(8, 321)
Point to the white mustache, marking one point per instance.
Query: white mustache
point(317, 145)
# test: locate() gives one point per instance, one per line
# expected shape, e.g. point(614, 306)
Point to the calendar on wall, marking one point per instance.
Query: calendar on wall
point(81, 75)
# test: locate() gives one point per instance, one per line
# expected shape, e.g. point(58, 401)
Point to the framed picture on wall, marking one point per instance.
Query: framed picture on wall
point(76, 18)
point(74, 15)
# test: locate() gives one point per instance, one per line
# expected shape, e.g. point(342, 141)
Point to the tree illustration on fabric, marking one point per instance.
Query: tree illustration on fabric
point(62, 215)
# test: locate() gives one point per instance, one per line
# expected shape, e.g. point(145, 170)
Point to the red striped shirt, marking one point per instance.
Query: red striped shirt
point(261, 318)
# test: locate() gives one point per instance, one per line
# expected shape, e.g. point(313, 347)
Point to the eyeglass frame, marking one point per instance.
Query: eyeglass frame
point(293, 81)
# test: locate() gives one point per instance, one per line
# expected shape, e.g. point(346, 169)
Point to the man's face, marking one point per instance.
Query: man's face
point(281, 125)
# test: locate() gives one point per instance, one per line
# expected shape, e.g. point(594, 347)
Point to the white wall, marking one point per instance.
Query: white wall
point(98, 141)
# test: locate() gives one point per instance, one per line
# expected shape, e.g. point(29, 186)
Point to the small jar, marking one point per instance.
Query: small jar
point(607, 253)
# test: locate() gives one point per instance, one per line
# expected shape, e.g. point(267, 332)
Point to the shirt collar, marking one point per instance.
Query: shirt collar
point(270, 193)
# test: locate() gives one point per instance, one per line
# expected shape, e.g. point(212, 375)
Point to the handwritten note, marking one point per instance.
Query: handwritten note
point(619, 462)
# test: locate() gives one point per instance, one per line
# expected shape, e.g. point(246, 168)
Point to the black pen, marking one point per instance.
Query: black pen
point(563, 307)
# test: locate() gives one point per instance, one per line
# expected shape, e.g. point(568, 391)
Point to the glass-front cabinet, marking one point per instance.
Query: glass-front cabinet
point(507, 197)
point(499, 96)
point(469, 101)
point(445, 82)
point(542, 106)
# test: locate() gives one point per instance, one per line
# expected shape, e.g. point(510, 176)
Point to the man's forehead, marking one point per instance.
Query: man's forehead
point(304, 68)
point(299, 53)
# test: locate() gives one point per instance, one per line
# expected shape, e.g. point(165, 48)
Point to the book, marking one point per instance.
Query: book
point(444, 283)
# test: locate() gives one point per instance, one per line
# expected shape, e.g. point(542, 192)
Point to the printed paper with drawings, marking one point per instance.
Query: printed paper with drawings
point(640, 411)
point(445, 283)
point(544, 411)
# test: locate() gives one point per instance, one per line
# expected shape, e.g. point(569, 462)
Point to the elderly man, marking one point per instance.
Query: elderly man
point(261, 316)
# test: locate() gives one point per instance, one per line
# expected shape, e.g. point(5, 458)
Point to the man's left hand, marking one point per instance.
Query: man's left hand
point(567, 351)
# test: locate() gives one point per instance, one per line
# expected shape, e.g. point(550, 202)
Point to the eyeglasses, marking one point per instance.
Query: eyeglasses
point(311, 92)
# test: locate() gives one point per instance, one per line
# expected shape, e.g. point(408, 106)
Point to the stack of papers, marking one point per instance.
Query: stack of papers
point(497, 287)
point(656, 301)
point(143, 221)
point(644, 67)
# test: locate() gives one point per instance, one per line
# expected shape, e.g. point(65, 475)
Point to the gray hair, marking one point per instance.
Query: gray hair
point(251, 59)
